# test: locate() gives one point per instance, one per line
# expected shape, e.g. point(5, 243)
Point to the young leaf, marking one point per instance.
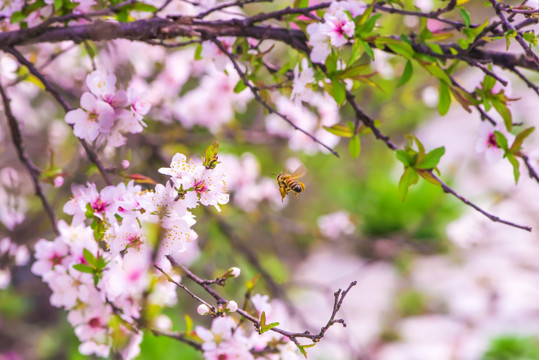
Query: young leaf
point(503, 110)
point(427, 175)
point(89, 257)
point(501, 140)
point(444, 100)
point(432, 158)
point(83, 268)
point(368, 49)
point(406, 74)
point(240, 86)
point(408, 178)
point(339, 91)
point(516, 171)
point(519, 139)
point(404, 157)
point(354, 146)
point(340, 130)
point(465, 16)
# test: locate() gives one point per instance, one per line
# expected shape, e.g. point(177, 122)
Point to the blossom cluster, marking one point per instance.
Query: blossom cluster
point(336, 30)
point(100, 267)
point(226, 340)
point(107, 113)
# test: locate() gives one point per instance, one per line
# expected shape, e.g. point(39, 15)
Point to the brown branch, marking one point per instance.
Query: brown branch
point(33, 170)
point(60, 99)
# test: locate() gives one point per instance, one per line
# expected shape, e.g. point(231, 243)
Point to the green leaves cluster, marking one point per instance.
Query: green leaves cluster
point(94, 266)
point(417, 163)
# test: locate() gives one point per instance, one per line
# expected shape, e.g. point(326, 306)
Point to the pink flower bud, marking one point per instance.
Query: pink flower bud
point(125, 164)
point(58, 181)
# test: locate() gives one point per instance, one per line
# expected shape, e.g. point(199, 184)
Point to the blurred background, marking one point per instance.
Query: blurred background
point(436, 280)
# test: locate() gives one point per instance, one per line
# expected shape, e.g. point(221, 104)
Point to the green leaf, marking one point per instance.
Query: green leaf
point(408, 178)
point(354, 146)
point(367, 48)
point(444, 101)
point(519, 139)
point(340, 130)
point(240, 86)
point(16, 17)
point(198, 52)
point(436, 71)
point(210, 156)
point(83, 268)
point(404, 157)
point(501, 140)
point(89, 257)
point(58, 4)
point(406, 74)
point(188, 324)
point(516, 166)
point(504, 112)
point(402, 48)
point(339, 91)
point(427, 175)
point(301, 4)
point(465, 16)
point(432, 158)
point(143, 7)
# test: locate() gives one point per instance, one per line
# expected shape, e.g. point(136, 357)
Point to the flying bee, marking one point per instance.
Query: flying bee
point(288, 182)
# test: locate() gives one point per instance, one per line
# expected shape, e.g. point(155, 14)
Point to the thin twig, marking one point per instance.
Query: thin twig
point(524, 78)
point(532, 172)
point(32, 169)
point(494, 218)
point(291, 335)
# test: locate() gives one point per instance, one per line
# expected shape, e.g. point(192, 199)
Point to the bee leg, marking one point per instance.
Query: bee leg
point(297, 194)
point(283, 193)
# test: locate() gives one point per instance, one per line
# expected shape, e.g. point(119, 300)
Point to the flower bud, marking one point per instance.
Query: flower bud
point(232, 306)
point(203, 309)
point(234, 272)
point(58, 181)
point(125, 164)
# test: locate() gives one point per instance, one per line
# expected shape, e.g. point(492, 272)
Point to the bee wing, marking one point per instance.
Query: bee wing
point(299, 172)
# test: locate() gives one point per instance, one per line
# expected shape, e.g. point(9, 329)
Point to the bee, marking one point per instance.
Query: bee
point(288, 182)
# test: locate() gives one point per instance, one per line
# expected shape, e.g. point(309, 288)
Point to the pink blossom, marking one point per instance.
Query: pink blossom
point(335, 225)
point(486, 143)
point(49, 254)
point(95, 116)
